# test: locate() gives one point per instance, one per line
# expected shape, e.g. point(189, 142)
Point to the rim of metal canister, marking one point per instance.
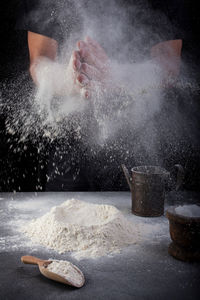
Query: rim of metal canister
point(160, 170)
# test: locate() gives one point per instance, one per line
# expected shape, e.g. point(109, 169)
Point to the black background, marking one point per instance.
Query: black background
point(14, 61)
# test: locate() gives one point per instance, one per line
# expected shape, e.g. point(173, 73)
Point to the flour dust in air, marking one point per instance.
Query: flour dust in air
point(87, 230)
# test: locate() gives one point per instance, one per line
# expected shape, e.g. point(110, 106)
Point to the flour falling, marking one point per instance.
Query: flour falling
point(87, 230)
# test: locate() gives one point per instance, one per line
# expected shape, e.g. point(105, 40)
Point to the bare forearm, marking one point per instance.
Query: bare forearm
point(52, 75)
point(168, 56)
point(41, 49)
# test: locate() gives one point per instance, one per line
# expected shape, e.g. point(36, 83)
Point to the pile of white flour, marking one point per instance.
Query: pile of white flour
point(68, 271)
point(88, 230)
point(191, 210)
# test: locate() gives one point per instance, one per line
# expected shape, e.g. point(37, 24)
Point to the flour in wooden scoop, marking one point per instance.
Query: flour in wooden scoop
point(68, 271)
point(85, 229)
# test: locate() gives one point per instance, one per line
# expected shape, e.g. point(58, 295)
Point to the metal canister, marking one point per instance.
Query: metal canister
point(148, 190)
point(147, 185)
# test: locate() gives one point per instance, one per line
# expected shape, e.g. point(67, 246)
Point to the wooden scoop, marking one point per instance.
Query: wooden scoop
point(43, 264)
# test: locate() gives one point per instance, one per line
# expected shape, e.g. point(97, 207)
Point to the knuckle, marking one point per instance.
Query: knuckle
point(84, 67)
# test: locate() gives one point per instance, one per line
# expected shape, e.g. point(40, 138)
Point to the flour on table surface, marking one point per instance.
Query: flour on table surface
point(85, 229)
point(67, 270)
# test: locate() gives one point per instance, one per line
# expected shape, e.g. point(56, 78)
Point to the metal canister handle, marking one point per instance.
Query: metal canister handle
point(128, 177)
point(180, 176)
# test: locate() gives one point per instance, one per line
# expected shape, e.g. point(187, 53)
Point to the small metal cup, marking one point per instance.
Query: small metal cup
point(147, 185)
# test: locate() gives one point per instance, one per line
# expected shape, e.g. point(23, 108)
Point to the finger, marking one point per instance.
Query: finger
point(88, 54)
point(77, 54)
point(91, 46)
point(93, 43)
point(85, 93)
point(89, 90)
point(91, 59)
point(93, 88)
point(91, 72)
point(82, 79)
point(81, 44)
point(76, 61)
point(98, 49)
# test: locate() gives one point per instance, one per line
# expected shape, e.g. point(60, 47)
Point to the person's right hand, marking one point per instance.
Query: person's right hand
point(91, 68)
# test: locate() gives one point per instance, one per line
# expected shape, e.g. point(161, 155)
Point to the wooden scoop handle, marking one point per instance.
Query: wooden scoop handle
point(31, 260)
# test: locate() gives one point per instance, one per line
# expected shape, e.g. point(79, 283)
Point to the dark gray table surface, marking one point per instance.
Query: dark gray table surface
point(141, 271)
